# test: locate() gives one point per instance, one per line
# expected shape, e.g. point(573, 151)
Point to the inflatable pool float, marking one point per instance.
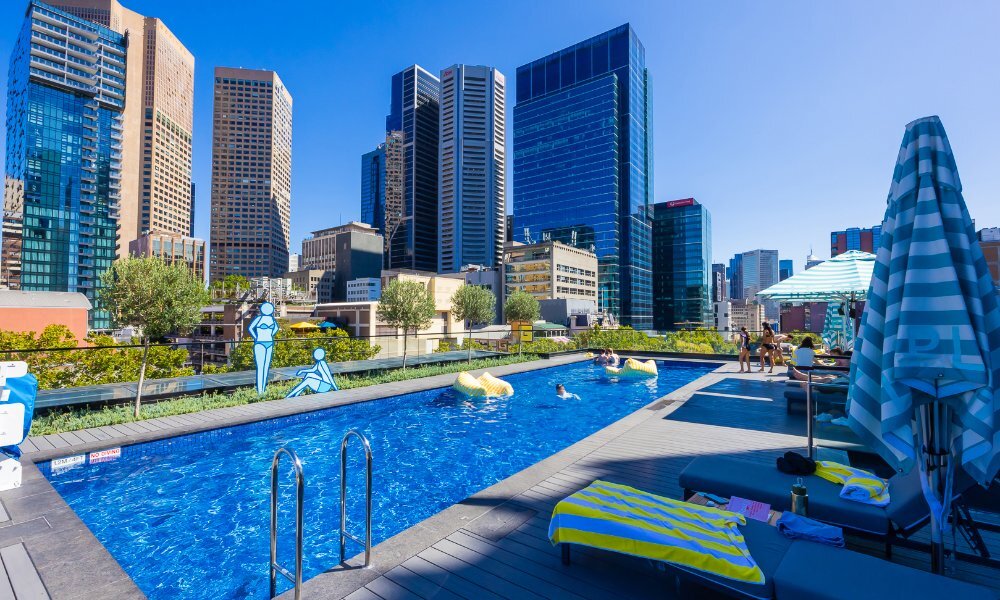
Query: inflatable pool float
point(485, 385)
point(633, 368)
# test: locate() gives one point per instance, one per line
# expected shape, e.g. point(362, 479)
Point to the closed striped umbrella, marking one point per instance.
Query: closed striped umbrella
point(832, 280)
point(927, 358)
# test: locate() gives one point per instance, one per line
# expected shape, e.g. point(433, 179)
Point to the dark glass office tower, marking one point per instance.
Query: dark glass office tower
point(373, 188)
point(583, 163)
point(65, 95)
point(682, 262)
point(414, 110)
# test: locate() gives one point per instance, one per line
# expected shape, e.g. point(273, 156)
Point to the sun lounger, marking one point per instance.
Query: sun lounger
point(800, 569)
point(906, 513)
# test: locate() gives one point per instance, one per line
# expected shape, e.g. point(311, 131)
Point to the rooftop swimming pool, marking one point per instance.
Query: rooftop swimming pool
point(189, 516)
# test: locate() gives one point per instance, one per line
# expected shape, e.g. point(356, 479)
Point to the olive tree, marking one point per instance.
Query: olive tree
point(474, 305)
point(520, 306)
point(406, 305)
point(156, 298)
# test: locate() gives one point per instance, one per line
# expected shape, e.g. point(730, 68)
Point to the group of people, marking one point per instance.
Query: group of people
point(769, 348)
point(607, 358)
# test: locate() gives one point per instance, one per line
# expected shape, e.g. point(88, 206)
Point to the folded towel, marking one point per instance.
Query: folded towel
point(794, 526)
point(867, 490)
point(859, 486)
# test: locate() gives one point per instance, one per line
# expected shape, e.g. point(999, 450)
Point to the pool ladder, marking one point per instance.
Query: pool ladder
point(300, 484)
point(344, 535)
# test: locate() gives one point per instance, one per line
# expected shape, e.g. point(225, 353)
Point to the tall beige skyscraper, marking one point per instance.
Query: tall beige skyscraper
point(158, 118)
point(251, 174)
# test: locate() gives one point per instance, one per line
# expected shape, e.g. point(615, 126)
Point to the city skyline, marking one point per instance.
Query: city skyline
point(694, 149)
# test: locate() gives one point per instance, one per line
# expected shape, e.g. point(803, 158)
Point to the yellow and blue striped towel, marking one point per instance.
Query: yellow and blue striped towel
point(859, 486)
point(623, 519)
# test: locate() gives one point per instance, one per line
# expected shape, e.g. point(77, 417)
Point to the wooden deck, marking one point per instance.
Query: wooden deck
point(506, 553)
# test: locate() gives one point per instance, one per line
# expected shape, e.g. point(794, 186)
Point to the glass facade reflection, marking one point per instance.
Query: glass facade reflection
point(66, 91)
point(682, 263)
point(373, 188)
point(414, 111)
point(583, 163)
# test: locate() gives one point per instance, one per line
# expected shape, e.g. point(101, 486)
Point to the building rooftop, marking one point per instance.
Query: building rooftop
point(22, 299)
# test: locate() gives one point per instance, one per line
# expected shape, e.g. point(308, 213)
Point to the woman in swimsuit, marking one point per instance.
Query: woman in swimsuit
point(744, 349)
point(319, 379)
point(767, 346)
point(263, 329)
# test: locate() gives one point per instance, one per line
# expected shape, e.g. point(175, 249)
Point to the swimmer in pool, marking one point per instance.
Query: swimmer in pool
point(562, 393)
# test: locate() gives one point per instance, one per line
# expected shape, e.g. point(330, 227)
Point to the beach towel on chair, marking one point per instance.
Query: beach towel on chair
point(859, 486)
point(623, 519)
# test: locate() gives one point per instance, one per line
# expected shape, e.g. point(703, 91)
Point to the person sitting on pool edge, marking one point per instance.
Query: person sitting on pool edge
point(562, 393)
point(318, 378)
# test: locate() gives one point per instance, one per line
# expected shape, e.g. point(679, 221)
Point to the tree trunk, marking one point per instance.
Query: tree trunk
point(405, 332)
point(468, 341)
point(142, 377)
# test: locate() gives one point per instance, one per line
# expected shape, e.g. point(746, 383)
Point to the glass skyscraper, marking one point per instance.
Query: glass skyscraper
point(682, 263)
point(583, 163)
point(66, 92)
point(413, 243)
point(373, 188)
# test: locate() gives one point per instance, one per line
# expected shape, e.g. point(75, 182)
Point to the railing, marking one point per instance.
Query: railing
point(344, 535)
point(300, 484)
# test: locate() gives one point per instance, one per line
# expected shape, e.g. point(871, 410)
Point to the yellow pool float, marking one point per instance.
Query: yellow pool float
point(633, 368)
point(495, 386)
point(485, 385)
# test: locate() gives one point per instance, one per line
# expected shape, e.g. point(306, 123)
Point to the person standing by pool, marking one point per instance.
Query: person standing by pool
point(263, 329)
point(767, 346)
point(744, 349)
point(318, 378)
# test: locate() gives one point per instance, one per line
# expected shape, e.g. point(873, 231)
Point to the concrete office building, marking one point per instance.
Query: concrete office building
point(989, 241)
point(316, 283)
point(251, 174)
point(720, 288)
point(413, 121)
point(358, 255)
point(319, 251)
point(746, 313)
point(550, 270)
point(157, 193)
point(472, 168)
point(65, 96)
point(173, 249)
point(583, 163)
point(759, 270)
point(365, 289)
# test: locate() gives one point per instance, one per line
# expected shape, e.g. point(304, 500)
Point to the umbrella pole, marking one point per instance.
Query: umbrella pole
point(935, 429)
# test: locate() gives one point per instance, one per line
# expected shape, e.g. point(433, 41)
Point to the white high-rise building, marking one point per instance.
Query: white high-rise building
point(471, 168)
point(760, 271)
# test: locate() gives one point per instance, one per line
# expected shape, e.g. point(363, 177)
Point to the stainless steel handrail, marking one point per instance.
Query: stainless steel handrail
point(368, 497)
point(300, 484)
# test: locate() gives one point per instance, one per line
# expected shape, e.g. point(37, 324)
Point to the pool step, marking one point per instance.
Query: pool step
point(20, 580)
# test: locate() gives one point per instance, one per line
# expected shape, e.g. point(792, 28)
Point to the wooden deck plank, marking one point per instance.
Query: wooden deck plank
point(444, 579)
point(390, 590)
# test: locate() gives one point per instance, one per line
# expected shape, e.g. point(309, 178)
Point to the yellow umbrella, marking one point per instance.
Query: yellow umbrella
point(304, 326)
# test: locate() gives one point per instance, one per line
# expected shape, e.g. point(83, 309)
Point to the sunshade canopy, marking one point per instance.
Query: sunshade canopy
point(833, 280)
point(304, 326)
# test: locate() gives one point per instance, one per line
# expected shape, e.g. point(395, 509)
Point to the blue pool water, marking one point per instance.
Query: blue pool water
point(189, 516)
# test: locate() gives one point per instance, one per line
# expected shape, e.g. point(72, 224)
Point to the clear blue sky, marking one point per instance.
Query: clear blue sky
point(783, 118)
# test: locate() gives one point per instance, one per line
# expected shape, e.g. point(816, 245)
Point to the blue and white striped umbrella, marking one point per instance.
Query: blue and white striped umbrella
point(930, 333)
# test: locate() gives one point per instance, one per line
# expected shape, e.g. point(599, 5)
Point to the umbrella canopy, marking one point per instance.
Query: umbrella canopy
point(304, 326)
point(930, 332)
point(327, 325)
point(830, 281)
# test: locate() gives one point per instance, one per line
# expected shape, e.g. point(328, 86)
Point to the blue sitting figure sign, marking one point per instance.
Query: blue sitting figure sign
point(17, 403)
point(317, 378)
point(263, 329)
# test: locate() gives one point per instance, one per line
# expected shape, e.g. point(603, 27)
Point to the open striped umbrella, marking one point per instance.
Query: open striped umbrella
point(927, 359)
point(835, 280)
